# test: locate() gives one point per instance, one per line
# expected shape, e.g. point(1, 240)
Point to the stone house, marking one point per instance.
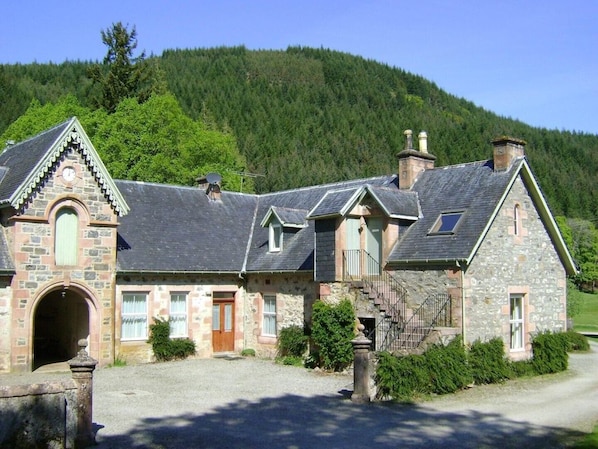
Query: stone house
point(470, 249)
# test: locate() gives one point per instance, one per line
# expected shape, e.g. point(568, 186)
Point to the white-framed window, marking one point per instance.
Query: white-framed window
point(516, 322)
point(178, 315)
point(134, 316)
point(269, 316)
point(517, 220)
point(275, 240)
point(66, 235)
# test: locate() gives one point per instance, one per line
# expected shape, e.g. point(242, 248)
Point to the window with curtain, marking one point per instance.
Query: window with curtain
point(66, 237)
point(269, 316)
point(178, 315)
point(134, 316)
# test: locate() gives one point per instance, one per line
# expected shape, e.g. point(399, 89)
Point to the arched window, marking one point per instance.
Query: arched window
point(66, 237)
point(516, 220)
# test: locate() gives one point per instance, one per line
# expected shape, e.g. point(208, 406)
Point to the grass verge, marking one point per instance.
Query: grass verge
point(587, 320)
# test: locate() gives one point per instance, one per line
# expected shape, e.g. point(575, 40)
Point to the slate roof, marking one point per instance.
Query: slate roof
point(179, 229)
point(298, 245)
point(296, 218)
point(172, 229)
point(21, 160)
point(474, 189)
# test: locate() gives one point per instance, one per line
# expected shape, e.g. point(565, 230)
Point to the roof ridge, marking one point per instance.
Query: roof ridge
point(330, 184)
point(39, 135)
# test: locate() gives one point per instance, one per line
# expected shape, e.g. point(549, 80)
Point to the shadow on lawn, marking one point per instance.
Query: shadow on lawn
point(296, 422)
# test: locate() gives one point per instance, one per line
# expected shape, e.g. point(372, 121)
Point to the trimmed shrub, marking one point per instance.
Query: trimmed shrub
point(447, 367)
point(487, 361)
point(292, 342)
point(522, 368)
point(401, 378)
point(166, 348)
point(550, 352)
point(441, 369)
point(333, 329)
point(576, 342)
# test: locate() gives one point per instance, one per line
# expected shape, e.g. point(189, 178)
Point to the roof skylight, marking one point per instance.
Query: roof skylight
point(446, 223)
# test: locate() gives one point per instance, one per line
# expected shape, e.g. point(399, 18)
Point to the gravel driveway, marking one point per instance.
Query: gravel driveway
point(251, 403)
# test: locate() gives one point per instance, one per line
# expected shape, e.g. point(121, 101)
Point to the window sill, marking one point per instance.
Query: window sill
point(267, 339)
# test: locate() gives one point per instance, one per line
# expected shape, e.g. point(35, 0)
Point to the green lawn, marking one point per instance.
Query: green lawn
point(589, 442)
point(587, 320)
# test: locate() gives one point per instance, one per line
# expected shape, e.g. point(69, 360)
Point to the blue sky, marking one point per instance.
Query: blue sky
point(536, 61)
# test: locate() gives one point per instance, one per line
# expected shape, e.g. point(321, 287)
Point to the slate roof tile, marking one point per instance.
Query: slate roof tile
point(474, 189)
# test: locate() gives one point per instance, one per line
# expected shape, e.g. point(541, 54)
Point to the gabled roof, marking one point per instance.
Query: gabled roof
point(477, 191)
point(287, 217)
point(395, 203)
point(298, 244)
point(25, 165)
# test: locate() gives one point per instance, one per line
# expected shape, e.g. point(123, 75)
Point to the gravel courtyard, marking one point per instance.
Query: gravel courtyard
point(252, 403)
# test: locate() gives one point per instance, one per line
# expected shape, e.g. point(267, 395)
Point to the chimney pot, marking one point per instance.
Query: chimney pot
point(409, 143)
point(423, 141)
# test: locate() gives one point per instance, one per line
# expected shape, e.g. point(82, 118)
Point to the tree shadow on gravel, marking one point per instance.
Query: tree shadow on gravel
point(296, 422)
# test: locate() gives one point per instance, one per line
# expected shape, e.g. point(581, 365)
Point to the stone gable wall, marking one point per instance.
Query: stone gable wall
point(506, 264)
point(32, 237)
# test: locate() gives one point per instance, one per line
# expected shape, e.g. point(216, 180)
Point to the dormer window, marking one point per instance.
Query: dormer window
point(447, 223)
point(276, 234)
point(279, 219)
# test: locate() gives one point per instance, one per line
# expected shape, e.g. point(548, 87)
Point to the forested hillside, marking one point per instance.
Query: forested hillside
point(306, 116)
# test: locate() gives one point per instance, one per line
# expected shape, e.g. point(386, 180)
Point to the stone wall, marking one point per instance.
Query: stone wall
point(38, 415)
point(295, 295)
point(199, 291)
point(31, 233)
point(515, 262)
point(5, 323)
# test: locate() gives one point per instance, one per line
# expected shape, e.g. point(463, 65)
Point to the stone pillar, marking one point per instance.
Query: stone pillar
point(361, 375)
point(82, 367)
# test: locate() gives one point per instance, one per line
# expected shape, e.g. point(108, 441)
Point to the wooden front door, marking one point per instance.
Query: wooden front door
point(223, 322)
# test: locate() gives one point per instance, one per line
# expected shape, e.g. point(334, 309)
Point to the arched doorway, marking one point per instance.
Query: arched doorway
point(61, 319)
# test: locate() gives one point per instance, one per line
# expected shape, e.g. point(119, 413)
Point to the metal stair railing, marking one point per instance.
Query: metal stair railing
point(381, 286)
point(434, 311)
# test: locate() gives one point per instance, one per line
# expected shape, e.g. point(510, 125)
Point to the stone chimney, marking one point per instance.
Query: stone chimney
point(506, 150)
point(413, 162)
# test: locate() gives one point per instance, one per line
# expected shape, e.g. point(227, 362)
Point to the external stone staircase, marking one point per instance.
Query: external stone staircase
point(399, 327)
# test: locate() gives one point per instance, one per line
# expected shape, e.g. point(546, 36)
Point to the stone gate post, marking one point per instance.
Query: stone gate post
point(82, 366)
point(361, 375)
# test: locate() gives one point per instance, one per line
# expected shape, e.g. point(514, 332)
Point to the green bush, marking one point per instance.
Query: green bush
point(550, 352)
point(487, 361)
point(576, 342)
point(401, 378)
point(292, 341)
point(248, 352)
point(333, 329)
point(441, 369)
point(166, 348)
point(522, 368)
point(447, 367)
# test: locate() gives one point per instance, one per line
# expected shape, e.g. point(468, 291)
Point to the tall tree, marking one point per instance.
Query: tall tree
point(122, 74)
